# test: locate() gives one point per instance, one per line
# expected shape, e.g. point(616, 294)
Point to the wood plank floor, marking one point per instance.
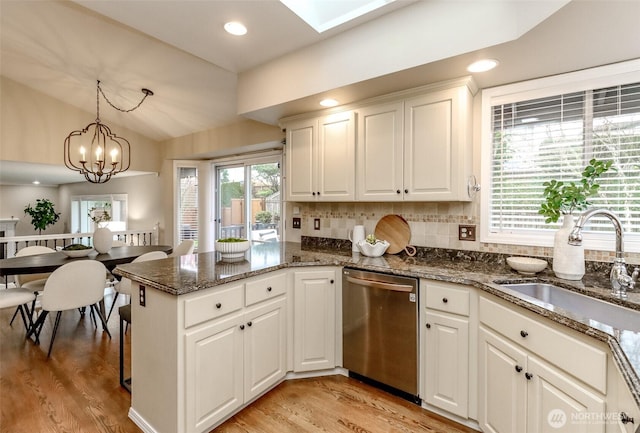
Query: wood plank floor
point(77, 390)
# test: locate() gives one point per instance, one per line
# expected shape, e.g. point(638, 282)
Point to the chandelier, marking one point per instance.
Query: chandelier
point(95, 151)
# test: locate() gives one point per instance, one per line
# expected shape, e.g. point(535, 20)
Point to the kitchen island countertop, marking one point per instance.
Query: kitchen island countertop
point(185, 274)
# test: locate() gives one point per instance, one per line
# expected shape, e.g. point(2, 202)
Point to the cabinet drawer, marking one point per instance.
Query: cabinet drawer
point(213, 304)
point(449, 298)
point(574, 355)
point(265, 288)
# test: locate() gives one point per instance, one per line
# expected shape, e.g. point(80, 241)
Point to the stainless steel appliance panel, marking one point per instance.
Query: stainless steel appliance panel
point(380, 328)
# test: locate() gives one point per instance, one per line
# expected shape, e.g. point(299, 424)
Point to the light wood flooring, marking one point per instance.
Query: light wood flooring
point(77, 390)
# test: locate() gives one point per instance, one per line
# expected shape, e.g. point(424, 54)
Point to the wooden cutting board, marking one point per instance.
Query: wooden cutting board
point(395, 230)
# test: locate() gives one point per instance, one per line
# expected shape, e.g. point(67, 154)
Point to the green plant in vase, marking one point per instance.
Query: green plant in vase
point(564, 198)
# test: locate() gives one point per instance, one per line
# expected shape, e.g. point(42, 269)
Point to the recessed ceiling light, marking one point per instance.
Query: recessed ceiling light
point(328, 102)
point(482, 65)
point(36, 182)
point(235, 28)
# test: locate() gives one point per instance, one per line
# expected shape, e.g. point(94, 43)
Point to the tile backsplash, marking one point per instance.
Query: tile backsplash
point(432, 225)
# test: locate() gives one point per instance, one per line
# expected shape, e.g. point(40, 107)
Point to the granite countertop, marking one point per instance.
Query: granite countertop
point(185, 274)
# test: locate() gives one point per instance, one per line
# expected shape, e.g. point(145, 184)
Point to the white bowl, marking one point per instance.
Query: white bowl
point(527, 265)
point(375, 250)
point(232, 250)
point(77, 253)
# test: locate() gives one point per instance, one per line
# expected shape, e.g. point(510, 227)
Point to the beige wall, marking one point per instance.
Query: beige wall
point(35, 125)
point(13, 200)
point(245, 133)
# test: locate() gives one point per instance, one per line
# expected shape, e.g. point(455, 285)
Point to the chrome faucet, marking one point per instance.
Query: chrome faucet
point(621, 281)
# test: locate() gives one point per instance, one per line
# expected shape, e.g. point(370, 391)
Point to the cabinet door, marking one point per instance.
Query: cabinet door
point(502, 385)
point(336, 158)
point(557, 403)
point(214, 372)
point(446, 362)
point(380, 153)
point(314, 320)
point(437, 148)
point(301, 159)
point(265, 334)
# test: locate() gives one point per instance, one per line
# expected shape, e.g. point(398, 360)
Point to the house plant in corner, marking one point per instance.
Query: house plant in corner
point(42, 215)
point(102, 236)
point(563, 199)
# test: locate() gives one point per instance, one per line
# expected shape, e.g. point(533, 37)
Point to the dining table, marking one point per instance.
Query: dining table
point(43, 263)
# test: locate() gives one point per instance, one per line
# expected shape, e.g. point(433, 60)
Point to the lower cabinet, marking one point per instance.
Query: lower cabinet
point(445, 346)
point(233, 360)
point(522, 392)
point(314, 335)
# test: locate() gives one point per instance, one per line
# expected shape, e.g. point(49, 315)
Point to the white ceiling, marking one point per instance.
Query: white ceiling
point(177, 48)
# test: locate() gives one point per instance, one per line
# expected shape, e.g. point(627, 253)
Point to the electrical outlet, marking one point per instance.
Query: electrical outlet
point(296, 223)
point(316, 224)
point(467, 232)
point(143, 296)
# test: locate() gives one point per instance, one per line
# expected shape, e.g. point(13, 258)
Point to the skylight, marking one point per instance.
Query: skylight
point(324, 15)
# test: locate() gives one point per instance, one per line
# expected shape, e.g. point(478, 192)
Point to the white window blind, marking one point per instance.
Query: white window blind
point(554, 138)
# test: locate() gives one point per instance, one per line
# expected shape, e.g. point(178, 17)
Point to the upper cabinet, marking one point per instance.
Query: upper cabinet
point(320, 155)
point(417, 149)
point(413, 145)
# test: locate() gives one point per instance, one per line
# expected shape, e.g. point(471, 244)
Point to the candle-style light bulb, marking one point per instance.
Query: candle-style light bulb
point(82, 152)
point(114, 156)
point(98, 153)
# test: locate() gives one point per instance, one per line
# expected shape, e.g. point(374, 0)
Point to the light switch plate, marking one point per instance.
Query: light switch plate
point(316, 224)
point(296, 223)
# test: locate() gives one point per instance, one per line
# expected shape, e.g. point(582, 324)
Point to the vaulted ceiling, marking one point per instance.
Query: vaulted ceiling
point(204, 78)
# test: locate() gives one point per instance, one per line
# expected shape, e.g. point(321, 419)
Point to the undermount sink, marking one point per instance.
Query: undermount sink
point(616, 316)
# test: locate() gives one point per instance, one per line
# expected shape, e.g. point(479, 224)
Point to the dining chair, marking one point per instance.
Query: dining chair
point(124, 285)
point(19, 298)
point(31, 282)
point(73, 285)
point(185, 247)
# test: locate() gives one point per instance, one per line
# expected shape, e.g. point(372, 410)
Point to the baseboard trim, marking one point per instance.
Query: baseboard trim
point(140, 421)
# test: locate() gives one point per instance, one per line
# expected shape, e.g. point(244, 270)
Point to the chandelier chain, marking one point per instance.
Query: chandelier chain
point(146, 92)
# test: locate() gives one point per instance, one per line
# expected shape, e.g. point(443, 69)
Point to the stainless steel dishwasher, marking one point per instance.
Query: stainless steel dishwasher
point(380, 329)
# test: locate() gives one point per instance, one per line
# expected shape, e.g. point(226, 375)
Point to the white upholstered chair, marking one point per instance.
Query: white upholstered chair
point(124, 285)
point(185, 247)
point(72, 286)
point(19, 298)
point(33, 283)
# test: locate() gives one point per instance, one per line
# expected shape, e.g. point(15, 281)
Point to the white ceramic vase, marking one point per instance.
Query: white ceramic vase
point(102, 240)
point(568, 260)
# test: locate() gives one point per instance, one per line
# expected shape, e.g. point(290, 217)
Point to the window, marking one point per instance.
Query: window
point(187, 204)
point(82, 206)
point(550, 129)
point(252, 213)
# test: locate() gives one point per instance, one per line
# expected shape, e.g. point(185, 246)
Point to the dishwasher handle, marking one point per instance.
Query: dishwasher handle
point(381, 285)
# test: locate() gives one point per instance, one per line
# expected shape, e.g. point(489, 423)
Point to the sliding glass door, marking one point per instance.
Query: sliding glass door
point(248, 199)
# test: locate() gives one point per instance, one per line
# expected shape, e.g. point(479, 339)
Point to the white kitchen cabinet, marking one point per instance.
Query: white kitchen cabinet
point(233, 360)
point(314, 320)
point(445, 344)
point(622, 408)
point(199, 357)
point(380, 152)
point(215, 377)
point(418, 148)
point(320, 158)
point(527, 381)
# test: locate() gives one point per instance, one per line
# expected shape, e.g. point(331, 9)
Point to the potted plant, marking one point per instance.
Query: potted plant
point(42, 215)
point(102, 236)
point(232, 248)
point(262, 219)
point(563, 199)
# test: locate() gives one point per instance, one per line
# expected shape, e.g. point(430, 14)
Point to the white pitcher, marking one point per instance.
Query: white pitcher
point(356, 235)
